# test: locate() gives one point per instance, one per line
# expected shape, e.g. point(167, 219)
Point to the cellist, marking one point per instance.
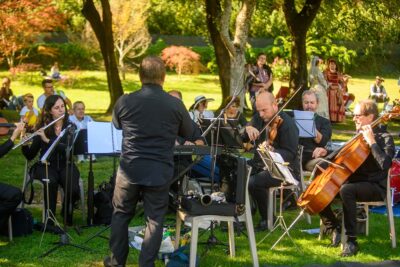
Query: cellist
point(285, 143)
point(367, 183)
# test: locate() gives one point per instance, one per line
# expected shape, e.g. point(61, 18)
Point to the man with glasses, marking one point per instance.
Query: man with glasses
point(48, 89)
point(368, 182)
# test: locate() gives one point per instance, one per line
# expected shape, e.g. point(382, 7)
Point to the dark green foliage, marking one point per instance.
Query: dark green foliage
point(69, 56)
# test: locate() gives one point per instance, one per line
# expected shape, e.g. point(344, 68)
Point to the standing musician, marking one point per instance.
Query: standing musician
point(150, 120)
point(10, 196)
point(54, 108)
point(368, 182)
point(285, 144)
point(323, 130)
point(260, 78)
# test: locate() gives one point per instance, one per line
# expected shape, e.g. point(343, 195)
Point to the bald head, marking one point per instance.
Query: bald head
point(266, 105)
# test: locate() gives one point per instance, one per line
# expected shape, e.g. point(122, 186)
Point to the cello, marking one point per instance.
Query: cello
point(347, 160)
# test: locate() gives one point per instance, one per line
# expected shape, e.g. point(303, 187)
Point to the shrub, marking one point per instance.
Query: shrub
point(182, 59)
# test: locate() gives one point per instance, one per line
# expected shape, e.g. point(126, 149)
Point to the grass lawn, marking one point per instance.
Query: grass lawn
point(91, 87)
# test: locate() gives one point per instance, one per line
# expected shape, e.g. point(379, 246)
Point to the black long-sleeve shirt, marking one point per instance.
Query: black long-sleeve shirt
point(285, 143)
point(150, 120)
point(5, 147)
point(323, 125)
point(375, 167)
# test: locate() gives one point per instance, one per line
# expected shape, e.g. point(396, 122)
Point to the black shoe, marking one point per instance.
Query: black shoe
point(290, 205)
point(336, 238)
point(261, 226)
point(350, 249)
point(107, 263)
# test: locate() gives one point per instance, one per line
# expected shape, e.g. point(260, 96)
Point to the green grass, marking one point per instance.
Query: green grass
point(91, 87)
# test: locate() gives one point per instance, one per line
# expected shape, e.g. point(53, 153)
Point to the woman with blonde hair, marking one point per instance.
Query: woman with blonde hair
point(319, 86)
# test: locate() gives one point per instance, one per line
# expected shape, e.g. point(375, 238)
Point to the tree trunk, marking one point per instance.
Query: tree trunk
point(213, 11)
point(230, 52)
point(298, 24)
point(104, 35)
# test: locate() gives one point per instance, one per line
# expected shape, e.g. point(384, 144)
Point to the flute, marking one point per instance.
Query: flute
point(35, 133)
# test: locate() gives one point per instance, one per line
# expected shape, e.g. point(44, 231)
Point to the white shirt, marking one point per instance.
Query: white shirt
point(25, 110)
point(195, 115)
point(42, 98)
point(81, 124)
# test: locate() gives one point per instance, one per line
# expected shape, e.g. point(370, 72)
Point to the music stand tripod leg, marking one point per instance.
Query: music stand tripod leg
point(287, 229)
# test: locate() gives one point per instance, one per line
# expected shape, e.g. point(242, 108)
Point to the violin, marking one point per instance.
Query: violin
point(273, 129)
point(4, 126)
point(326, 185)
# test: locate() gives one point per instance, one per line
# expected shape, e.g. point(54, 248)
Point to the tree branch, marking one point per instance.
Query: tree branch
point(224, 30)
point(243, 21)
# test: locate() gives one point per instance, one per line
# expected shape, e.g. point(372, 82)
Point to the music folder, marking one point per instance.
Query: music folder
point(305, 123)
point(103, 138)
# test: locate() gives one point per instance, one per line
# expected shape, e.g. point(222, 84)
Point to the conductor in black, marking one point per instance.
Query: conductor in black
point(150, 120)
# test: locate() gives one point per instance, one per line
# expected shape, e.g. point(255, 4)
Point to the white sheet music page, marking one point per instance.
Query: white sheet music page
point(305, 123)
point(103, 139)
point(279, 162)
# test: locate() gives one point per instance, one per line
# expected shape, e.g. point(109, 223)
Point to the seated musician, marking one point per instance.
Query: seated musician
point(56, 171)
point(285, 144)
point(368, 182)
point(323, 131)
point(199, 109)
point(10, 196)
point(182, 161)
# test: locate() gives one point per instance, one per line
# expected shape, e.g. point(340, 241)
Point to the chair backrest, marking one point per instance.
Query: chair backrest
point(300, 149)
point(389, 195)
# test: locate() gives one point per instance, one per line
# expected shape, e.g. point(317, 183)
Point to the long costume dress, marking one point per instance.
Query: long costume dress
point(319, 86)
point(335, 96)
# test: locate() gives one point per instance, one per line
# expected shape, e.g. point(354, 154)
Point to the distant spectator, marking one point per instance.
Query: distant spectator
point(347, 97)
point(48, 88)
point(260, 78)
point(55, 72)
point(378, 92)
point(335, 91)
point(81, 120)
point(319, 85)
point(7, 98)
point(199, 110)
point(28, 113)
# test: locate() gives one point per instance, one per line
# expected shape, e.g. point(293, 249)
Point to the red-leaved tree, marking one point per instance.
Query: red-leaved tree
point(22, 21)
point(182, 59)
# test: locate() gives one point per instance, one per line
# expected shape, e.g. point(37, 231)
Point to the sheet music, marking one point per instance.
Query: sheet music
point(51, 148)
point(278, 160)
point(305, 123)
point(103, 138)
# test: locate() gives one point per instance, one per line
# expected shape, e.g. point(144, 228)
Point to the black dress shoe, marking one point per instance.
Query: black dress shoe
point(108, 263)
point(336, 238)
point(261, 226)
point(350, 249)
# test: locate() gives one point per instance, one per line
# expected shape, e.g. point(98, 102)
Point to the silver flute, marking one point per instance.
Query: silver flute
point(24, 140)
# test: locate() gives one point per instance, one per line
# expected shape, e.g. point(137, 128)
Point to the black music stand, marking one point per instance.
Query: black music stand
point(102, 138)
point(278, 169)
point(64, 237)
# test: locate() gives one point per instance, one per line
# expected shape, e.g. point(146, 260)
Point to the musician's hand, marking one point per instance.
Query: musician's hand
point(42, 135)
point(19, 128)
point(188, 143)
point(319, 152)
point(252, 132)
point(368, 134)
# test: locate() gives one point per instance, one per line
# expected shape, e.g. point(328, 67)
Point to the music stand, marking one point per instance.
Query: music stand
point(278, 169)
point(305, 123)
point(64, 237)
point(102, 138)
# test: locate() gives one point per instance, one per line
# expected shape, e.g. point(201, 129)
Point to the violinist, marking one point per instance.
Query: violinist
point(367, 183)
point(323, 129)
point(54, 108)
point(284, 142)
point(10, 196)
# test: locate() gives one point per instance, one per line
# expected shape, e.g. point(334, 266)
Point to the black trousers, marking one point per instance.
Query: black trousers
point(258, 189)
point(350, 193)
point(57, 176)
point(10, 197)
point(155, 203)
